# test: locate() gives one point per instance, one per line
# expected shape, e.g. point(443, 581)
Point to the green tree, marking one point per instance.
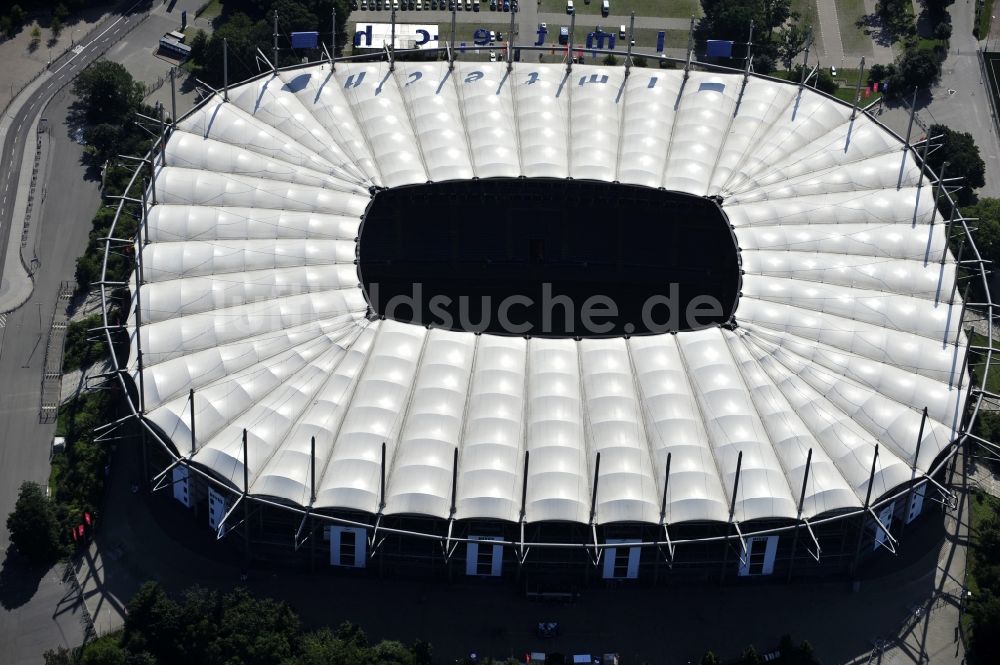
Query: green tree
point(791, 41)
point(821, 81)
point(58, 656)
point(985, 627)
point(103, 651)
point(750, 656)
point(108, 93)
point(152, 624)
point(33, 525)
point(710, 659)
point(917, 68)
point(56, 26)
point(730, 19)
point(609, 60)
point(959, 149)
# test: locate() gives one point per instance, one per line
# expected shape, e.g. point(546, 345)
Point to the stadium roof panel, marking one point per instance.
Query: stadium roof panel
point(251, 298)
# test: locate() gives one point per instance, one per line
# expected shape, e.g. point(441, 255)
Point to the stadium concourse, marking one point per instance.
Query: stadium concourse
point(800, 431)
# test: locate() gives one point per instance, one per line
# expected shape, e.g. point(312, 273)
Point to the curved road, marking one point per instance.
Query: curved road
point(61, 72)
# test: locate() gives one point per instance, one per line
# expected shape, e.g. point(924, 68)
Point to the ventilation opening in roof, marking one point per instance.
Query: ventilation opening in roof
point(548, 258)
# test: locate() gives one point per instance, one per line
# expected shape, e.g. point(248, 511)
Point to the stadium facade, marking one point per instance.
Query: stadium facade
point(801, 433)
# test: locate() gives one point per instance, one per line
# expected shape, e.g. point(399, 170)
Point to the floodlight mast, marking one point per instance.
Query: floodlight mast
point(805, 61)
point(732, 513)
point(333, 38)
point(631, 40)
point(274, 65)
point(690, 54)
point(173, 97)
point(510, 44)
point(569, 44)
point(857, 89)
point(906, 143)
point(225, 69)
point(802, 500)
point(392, 40)
point(451, 54)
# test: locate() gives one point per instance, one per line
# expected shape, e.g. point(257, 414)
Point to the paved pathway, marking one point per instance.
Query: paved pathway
point(882, 51)
point(830, 29)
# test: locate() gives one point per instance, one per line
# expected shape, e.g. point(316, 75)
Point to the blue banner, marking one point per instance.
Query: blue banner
point(720, 48)
point(305, 39)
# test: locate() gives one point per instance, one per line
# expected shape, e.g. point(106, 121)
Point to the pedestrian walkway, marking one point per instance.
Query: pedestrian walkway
point(829, 28)
point(882, 51)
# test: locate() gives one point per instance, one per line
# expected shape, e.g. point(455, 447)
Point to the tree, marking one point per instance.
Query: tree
point(108, 92)
point(985, 626)
point(58, 656)
point(36, 35)
point(33, 525)
point(822, 81)
point(56, 26)
point(763, 64)
point(730, 19)
point(103, 651)
point(959, 149)
point(917, 68)
point(751, 656)
point(791, 41)
point(710, 659)
point(609, 60)
point(942, 30)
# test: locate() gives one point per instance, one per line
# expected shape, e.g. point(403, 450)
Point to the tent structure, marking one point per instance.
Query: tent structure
point(249, 315)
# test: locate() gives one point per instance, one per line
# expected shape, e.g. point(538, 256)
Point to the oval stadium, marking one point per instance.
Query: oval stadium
point(547, 322)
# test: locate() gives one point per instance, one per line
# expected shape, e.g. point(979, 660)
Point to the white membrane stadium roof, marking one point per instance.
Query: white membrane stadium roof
point(251, 298)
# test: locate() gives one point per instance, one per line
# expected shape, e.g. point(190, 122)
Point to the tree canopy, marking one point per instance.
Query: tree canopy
point(251, 27)
point(959, 149)
point(206, 627)
point(108, 92)
point(33, 525)
point(730, 19)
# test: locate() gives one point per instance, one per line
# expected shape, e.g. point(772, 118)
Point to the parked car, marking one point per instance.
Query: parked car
point(420, 5)
point(475, 5)
point(493, 5)
point(564, 35)
point(605, 7)
point(354, 5)
point(621, 31)
point(569, 7)
point(364, 5)
point(493, 56)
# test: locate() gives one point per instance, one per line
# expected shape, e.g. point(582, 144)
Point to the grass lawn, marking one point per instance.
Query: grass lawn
point(981, 508)
point(982, 26)
point(993, 378)
point(654, 8)
point(806, 9)
point(849, 12)
point(210, 10)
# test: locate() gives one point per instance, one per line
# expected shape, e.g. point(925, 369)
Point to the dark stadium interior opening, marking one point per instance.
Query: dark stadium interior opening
point(548, 258)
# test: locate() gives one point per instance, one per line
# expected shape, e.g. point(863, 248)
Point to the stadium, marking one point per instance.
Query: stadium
point(794, 430)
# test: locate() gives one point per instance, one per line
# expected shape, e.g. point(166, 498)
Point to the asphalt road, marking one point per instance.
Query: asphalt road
point(63, 71)
point(38, 611)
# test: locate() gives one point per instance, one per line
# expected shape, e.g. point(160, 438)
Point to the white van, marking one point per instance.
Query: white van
point(605, 7)
point(621, 31)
